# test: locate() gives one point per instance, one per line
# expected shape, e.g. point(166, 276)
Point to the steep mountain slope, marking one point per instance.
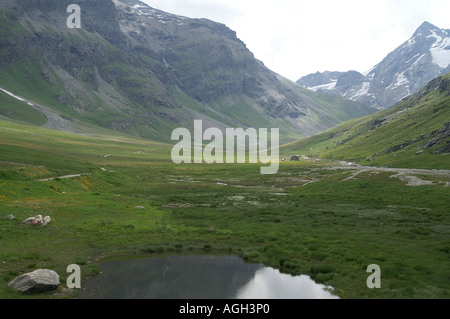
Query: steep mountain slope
point(425, 56)
point(136, 69)
point(413, 133)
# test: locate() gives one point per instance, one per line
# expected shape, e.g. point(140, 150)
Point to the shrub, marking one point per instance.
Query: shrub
point(323, 277)
point(319, 256)
point(291, 265)
point(322, 269)
point(250, 254)
point(283, 260)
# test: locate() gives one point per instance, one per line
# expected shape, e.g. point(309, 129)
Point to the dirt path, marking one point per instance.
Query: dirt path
point(404, 174)
point(62, 177)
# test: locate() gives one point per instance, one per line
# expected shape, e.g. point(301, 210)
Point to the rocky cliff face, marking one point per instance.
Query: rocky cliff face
point(425, 56)
point(138, 69)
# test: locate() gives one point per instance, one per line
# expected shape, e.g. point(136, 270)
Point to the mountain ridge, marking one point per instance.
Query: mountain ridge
point(146, 72)
point(403, 72)
point(413, 133)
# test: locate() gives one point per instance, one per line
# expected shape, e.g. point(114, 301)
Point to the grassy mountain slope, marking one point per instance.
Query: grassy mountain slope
point(146, 72)
point(413, 133)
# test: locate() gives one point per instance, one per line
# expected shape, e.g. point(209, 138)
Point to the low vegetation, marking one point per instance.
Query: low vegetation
point(310, 218)
point(415, 133)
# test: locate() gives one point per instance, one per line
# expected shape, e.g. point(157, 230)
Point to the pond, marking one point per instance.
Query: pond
point(198, 277)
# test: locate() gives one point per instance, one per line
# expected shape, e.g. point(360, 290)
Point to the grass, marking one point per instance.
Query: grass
point(20, 111)
point(394, 137)
point(329, 229)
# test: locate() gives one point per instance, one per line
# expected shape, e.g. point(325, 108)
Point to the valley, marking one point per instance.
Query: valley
point(313, 217)
point(93, 121)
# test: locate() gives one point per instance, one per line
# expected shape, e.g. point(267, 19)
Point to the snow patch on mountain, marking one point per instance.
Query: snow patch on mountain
point(16, 97)
point(401, 80)
point(363, 91)
point(145, 10)
point(327, 86)
point(440, 50)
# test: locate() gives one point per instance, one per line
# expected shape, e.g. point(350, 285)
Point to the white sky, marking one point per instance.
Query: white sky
point(298, 37)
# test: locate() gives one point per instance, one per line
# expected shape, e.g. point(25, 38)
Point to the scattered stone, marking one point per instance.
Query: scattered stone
point(40, 280)
point(412, 180)
point(140, 207)
point(10, 217)
point(236, 198)
point(178, 205)
point(38, 220)
point(47, 220)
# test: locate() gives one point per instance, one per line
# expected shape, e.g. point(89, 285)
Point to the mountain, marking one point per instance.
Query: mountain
point(425, 56)
point(412, 133)
point(143, 71)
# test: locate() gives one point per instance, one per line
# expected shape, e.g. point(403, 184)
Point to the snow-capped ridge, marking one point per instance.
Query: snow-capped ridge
point(420, 59)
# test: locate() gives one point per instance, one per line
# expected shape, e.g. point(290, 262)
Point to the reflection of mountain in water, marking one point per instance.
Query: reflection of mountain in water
point(174, 277)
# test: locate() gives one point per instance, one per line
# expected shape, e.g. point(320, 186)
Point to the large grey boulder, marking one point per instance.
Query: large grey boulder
point(41, 280)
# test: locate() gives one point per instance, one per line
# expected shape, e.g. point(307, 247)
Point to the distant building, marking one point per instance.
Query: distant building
point(295, 158)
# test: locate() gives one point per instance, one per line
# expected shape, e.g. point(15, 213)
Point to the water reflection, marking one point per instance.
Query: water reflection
point(269, 283)
point(197, 277)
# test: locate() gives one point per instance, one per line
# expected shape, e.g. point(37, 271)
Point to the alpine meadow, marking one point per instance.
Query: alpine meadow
point(130, 132)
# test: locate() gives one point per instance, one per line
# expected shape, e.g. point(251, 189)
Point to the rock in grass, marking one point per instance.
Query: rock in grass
point(46, 221)
point(38, 220)
point(40, 280)
point(10, 217)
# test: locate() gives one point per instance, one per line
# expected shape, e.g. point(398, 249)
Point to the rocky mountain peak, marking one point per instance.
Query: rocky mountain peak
point(423, 57)
point(426, 29)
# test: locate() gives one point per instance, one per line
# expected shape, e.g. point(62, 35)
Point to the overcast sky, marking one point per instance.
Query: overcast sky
point(298, 37)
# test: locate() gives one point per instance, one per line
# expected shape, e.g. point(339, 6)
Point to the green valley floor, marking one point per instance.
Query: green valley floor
point(116, 195)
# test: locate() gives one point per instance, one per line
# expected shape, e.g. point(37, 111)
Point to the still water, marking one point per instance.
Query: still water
point(198, 277)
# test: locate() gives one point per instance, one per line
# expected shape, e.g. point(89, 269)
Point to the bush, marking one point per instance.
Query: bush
point(154, 249)
point(283, 260)
point(250, 254)
point(291, 265)
point(5, 175)
point(319, 256)
point(322, 278)
point(322, 269)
